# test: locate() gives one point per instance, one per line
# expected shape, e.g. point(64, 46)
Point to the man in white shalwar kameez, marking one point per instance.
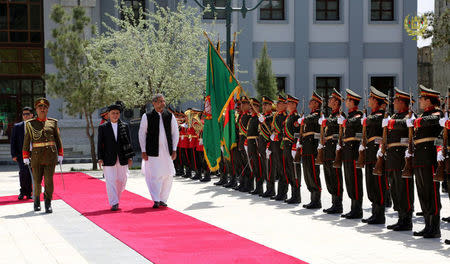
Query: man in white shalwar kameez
point(158, 138)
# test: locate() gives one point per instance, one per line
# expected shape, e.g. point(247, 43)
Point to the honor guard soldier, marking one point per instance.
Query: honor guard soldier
point(402, 188)
point(244, 180)
point(426, 131)
point(309, 142)
point(47, 150)
point(441, 156)
point(291, 127)
point(178, 162)
point(278, 165)
point(333, 176)
point(252, 149)
point(350, 151)
point(265, 130)
point(236, 164)
point(193, 143)
point(375, 184)
point(184, 147)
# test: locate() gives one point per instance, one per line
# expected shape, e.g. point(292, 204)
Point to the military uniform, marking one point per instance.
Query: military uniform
point(291, 169)
point(402, 189)
point(309, 143)
point(265, 131)
point(244, 180)
point(184, 146)
point(253, 155)
point(278, 165)
point(333, 176)
point(375, 184)
point(236, 164)
point(44, 137)
point(350, 152)
point(426, 130)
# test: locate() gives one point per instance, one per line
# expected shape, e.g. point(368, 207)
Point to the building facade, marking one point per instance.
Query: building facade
point(441, 68)
point(314, 44)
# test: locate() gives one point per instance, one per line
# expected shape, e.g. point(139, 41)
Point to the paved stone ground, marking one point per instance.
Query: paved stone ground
point(67, 237)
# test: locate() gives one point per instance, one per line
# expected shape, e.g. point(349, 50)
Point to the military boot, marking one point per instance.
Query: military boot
point(379, 217)
point(37, 204)
point(426, 229)
point(405, 222)
point(206, 177)
point(48, 206)
point(259, 187)
point(231, 183)
point(223, 180)
point(435, 227)
point(315, 201)
point(356, 211)
point(270, 190)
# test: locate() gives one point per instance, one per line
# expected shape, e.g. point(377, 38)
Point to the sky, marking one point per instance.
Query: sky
point(424, 6)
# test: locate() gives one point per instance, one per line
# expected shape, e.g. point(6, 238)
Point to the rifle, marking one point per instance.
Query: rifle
point(320, 153)
point(338, 159)
point(407, 171)
point(379, 166)
point(362, 154)
point(300, 136)
point(442, 165)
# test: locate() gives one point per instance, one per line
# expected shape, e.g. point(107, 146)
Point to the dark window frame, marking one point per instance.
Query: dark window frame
point(281, 87)
point(326, 90)
point(327, 9)
point(270, 10)
point(219, 14)
point(380, 10)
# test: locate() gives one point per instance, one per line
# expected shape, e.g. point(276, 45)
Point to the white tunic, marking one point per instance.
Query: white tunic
point(159, 170)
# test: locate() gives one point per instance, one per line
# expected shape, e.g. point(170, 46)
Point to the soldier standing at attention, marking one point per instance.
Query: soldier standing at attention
point(252, 150)
point(350, 152)
point(375, 184)
point(43, 135)
point(244, 180)
point(265, 131)
point(309, 146)
point(333, 176)
point(402, 189)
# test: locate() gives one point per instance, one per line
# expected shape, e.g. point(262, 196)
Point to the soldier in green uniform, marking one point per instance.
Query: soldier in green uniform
point(252, 150)
point(47, 150)
point(244, 180)
point(265, 130)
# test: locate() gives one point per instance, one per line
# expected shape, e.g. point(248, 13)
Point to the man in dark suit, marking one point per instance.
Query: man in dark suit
point(18, 133)
point(115, 154)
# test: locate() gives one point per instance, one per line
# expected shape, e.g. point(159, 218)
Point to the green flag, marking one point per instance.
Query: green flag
point(219, 129)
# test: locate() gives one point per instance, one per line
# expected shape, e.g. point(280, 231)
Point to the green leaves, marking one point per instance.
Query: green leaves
point(265, 80)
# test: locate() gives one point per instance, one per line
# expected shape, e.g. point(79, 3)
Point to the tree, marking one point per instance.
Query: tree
point(439, 29)
point(78, 80)
point(266, 84)
point(155, 52)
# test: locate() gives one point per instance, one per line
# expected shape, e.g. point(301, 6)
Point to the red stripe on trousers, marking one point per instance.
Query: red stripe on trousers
point(407, 194)
point(339, 182)
point(260, 170)
point(387, 183)
point(270, 170)
point(187, 156)
point(195, 163)
point(356, 181)
point(435, 194)
point(284, 170)
point(381, 190)
point(179, 155)
point(314, 171)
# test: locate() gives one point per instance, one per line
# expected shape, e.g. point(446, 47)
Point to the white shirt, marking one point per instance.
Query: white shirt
point(114, 127)
point(162, 132)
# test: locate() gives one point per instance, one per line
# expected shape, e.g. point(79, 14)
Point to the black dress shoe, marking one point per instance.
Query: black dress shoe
point(156, 205)
point(447, 241)
point(377, 221)
point(280, 198)
point(335, 210)
point(345, 215)
point(205, 179)
point(421, 232)
point(273, 197)
point(294, 201)
point(21, 196)
point(48, 206)
point(403, 227)
point(365, 220)
point(115, 207)
point(312, 206)
point(29, 196)
point(37, 204)
point(354, 215)
point(446, 219)
point(432, 235)
point(268, 194)
point(221, 182)
point(163, 204)
point(419, 213)
point(391, 227)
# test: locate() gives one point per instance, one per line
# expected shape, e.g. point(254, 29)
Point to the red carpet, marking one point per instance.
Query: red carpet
point(163, 235)
point(12, 199)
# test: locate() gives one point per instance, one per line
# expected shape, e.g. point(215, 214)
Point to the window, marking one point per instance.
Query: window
point(384, 84)
point(274, 11)
point(325, 86)
point(281, 84)
point(135, 5)
point(21, 21)
point(219, 14)
point(327, 9)
point(382, 10)
point(21, 61)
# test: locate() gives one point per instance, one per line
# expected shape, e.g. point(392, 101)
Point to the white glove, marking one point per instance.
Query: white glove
point(60, 159)
point(26, 161)
point(246, 149)
point(300, 120)
point(298, 145)
point(272, 137)
point(320, 146)
point(293, 153)
point(440, 156)
point(410, 121)
point(443, 120)
point(379, 153)
point(200, 142)
point(338, 147)
point(361, 147)
point(407, 155)
point(340, 120)
point(321, 119)
point(363, 120)
point(268, 152)
point(385, 121)
point(261, 118)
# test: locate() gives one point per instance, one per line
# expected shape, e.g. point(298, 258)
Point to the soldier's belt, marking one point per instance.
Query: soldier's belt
point(423, 140)
point(397, 144)
point(351, 139)
point(193, 136)
point(288, 139)
point(308, 133)
point(328, 138)
point(43, 144)
point(373, 138)
point(241, 134)
point(252, 137)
